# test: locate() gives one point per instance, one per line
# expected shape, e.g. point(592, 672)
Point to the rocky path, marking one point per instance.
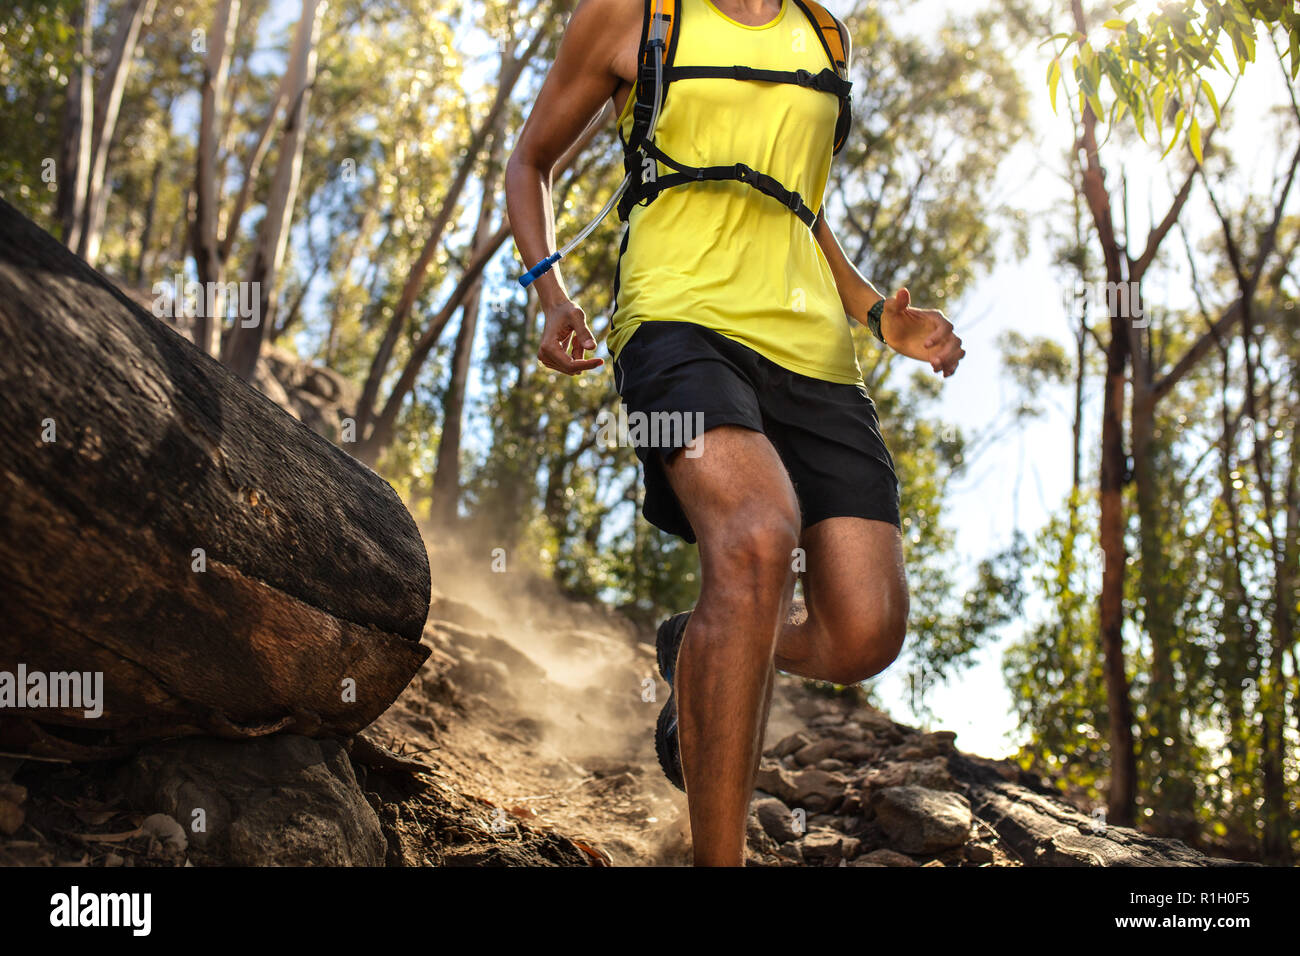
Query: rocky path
point(525, 739)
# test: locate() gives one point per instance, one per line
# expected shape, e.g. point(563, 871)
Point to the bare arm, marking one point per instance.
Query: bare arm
point(578, 85)
point(924, 334)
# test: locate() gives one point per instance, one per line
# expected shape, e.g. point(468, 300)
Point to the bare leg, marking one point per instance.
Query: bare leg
point(855, 590)
point(739, 500)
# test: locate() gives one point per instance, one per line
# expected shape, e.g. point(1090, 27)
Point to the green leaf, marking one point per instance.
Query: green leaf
point(1214, 101)
point(1194, 139)
point(1178, 128)
point(1053, 78)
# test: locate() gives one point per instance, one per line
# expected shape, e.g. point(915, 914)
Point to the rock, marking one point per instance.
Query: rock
point(932, 773)
point(831, 765)
point(776, 780)
point(886, 857)
point(816, 751)
point(166, 831)
point(817, 790)
point(790, 744)
point(919, 820)
point(757, 840)
point(836, 748)
point(777, 820)
point(825, 847)
point(938, 744)
point(283, 800)
point(827, 821)
point(849, 730)
point(488, 646)
point(831, 719)
point(873, 719)
point(979, 853)
point(791, 852)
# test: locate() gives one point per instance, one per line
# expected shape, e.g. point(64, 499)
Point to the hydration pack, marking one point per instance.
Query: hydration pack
point(660, 32)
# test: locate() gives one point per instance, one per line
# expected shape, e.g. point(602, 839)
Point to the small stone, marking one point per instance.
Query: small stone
point(830, 719)
point(831, 765)
point(823, 847)
point(167, 831)
point(790, 744)
point(791, 852)
point(886, 858)
point(932, 773)
point(816, 790)
point(776, 819)
point(776, 780)
point(922, 821)
point(814, 752)
point(979, 853)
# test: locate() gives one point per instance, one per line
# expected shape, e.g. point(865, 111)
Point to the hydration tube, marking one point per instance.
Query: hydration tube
point(657, 34)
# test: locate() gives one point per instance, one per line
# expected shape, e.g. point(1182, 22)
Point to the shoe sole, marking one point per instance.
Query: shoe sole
point(671, 768)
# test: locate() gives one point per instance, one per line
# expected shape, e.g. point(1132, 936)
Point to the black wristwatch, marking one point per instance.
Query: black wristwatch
point(873, 320)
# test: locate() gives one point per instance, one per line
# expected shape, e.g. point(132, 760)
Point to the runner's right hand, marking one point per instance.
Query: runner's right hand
point(566, 340)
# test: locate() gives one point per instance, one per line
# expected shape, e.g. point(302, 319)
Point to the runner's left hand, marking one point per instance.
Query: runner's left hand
point(923, 334)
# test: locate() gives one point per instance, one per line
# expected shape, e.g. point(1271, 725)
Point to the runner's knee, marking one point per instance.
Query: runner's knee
point(869, 642)
point(752, 554)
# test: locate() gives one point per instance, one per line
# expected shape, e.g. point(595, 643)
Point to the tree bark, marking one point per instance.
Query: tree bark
point(208, 262)
point(108, 102)
point(446, 477)
point(225, 569)
point(78, 122)
point(1040, 829)
point(246, 338)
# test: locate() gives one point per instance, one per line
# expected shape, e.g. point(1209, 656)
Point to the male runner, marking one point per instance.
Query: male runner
point(730, 306)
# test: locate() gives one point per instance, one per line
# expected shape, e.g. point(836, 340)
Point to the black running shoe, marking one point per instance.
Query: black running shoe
point(668, 641)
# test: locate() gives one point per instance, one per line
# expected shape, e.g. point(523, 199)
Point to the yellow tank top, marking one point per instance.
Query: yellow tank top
point(723, 254)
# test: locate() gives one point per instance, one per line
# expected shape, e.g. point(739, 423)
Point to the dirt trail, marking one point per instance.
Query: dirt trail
point(526, 740)
point(542, 708)
point(539, 712)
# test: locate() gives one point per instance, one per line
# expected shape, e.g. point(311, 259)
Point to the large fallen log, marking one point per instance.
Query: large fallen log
point(1041, 829)
point(224, 568)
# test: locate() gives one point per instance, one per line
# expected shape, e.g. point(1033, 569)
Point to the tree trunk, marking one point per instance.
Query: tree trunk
point(273, 237)
point(224, 568)
point(108, 102)
point(212, 122)
point(370, 448)
point(146, 230)
point(446, 477)
point(78, 122)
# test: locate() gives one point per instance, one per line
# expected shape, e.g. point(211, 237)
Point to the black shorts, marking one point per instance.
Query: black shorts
point(827, 434)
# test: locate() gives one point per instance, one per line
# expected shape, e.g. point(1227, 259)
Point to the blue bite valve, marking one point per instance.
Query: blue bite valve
point(539, 270)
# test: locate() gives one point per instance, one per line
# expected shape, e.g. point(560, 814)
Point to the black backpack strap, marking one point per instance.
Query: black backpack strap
point(665, 49)
point(834, 37)
point(732, 172)
point(827, 81)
